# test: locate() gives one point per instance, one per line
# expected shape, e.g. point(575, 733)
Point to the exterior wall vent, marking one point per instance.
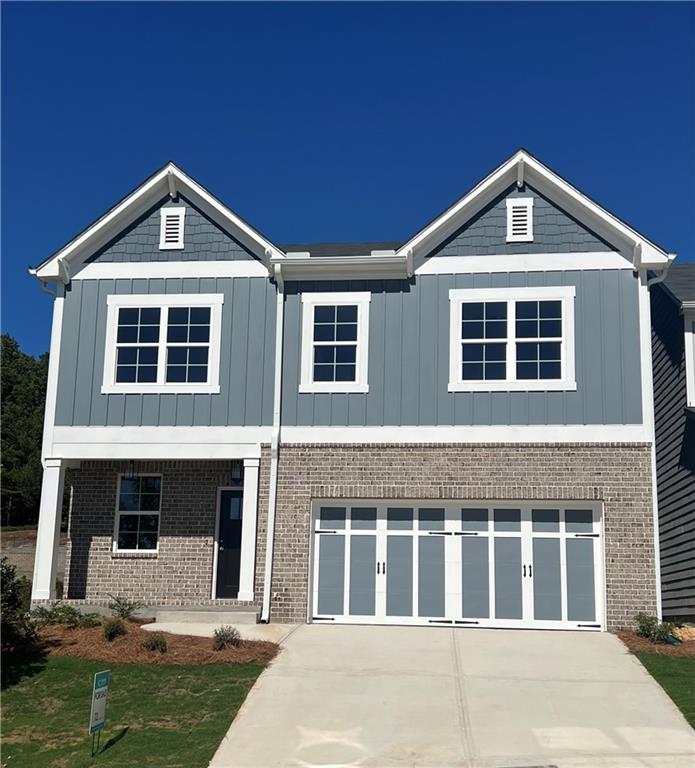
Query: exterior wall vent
point(171, 229)
point(519, 219)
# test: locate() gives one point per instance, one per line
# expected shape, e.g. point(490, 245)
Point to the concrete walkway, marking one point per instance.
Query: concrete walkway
point(416, 696)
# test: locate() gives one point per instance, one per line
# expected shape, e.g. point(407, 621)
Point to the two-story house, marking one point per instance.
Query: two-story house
point(453, 430)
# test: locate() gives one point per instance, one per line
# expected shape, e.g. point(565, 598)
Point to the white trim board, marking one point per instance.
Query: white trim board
point(112, 270)
point(52, 379)
point(545, 434)
point(523, 262)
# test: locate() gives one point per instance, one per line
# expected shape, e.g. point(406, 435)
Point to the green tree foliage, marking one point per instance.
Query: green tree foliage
point(23, 380)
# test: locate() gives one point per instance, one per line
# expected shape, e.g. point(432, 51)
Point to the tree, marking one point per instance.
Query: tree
point(23, 379)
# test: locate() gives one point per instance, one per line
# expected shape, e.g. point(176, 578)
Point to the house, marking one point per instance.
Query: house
point(673, 353)
point(453, 430)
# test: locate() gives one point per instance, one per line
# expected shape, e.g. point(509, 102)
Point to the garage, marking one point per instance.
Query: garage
point(531, 565)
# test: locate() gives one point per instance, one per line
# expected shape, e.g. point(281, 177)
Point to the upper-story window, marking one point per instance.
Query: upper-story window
point(165, 343)
point(171, 230)
point(335, 342)
point(511, 339)
point(519, 219)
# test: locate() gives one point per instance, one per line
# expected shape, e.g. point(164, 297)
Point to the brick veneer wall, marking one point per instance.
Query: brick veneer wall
point(181, 572)
point(619, 475)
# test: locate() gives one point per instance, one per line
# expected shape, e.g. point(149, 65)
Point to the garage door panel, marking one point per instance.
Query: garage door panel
point(475, 573)
point(431, 576)
point(362, 600)
point(331, 574)
point(508, 586)
point(399, 576)
point(581, 590)
point(547, 579)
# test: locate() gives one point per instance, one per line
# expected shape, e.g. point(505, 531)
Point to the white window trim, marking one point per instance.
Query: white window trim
point(164, 213)
point(163, 301)
point(311, 300)
point(565, 294)
point(114, 543)
point(689, 323)
point(516, 202)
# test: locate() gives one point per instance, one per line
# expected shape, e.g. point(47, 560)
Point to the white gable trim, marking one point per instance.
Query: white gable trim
point(644, 253)
point(523, 262)
point(135, 204)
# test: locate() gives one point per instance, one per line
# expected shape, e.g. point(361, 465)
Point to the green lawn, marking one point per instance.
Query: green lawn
point(676, 675)
point(157, 715)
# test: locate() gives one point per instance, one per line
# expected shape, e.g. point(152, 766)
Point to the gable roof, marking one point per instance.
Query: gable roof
point(168, 180)
point(680, 282)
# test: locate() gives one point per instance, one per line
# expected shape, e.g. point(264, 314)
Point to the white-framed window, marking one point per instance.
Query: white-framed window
point(335, 342)
point(689, 325)
point(171, 229)
point(163, 343)
point(511, 339)
point(138, 506)
point(519, 219)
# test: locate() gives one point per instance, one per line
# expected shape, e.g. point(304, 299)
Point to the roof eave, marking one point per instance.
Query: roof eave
point(305, 267)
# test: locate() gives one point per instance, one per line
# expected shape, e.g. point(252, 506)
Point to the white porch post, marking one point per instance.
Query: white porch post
point(44, 584)
point(249, 515)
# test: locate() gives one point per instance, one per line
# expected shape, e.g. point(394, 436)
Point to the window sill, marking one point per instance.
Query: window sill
point(513, 386)
point(334, 388)
point(134, 554)
point(160, 389)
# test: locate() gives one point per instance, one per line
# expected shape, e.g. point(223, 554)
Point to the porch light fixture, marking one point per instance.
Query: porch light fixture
point(130, 474)
point(236, 472)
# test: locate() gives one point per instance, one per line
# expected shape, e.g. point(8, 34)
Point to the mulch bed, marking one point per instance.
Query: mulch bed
point(91, 644)
point(637, 644)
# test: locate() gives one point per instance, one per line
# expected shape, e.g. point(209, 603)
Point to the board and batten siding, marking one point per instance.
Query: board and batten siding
point(409, 356)
point(203, 239)
point(675, 458)
point(554, 231)
point(246, 358)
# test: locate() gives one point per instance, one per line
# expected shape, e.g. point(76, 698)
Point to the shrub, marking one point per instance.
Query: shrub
point(15, 594)
point(123, 607)
point(59, 613)
point(113, 628)
point(225, 636)
point(155, 642)
point(649, 627)
point(88, 620)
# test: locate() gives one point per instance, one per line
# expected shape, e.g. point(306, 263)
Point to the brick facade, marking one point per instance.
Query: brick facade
point(619, 475)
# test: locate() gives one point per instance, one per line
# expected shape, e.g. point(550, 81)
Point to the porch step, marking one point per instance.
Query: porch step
point(206, 616)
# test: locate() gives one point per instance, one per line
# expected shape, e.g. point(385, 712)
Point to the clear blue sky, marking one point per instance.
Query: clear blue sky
point(335, 121)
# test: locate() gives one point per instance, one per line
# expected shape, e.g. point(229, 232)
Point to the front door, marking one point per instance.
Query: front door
point(229, 542)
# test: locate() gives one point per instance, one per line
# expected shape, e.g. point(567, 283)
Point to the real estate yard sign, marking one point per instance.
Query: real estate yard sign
point(100, 693)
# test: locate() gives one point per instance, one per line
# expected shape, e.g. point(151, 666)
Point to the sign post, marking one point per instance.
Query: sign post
point(100, 694)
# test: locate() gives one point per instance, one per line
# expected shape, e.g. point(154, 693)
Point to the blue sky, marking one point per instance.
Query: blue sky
point(335, 121)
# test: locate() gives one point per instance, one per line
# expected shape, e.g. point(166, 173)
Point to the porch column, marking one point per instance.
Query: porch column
point(46, 559)
point(249, 516)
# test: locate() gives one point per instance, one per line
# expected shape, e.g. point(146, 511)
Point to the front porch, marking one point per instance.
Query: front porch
point(166, 533)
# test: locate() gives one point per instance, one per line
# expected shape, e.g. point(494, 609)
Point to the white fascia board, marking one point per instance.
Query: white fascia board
point(108, 226)
point(542, 433)
point(524, 262)
point(539, 176)
point(306, 267)
point(175, 269)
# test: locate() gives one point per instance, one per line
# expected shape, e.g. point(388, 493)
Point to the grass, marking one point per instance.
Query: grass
point(676, 675)
point(172, 716)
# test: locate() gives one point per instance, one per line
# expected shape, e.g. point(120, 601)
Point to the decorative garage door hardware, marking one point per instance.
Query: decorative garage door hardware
point(505, 564)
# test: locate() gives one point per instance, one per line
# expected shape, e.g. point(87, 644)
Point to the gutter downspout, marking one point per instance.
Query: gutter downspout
point(274, 445)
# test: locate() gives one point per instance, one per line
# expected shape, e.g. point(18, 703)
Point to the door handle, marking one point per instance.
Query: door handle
point(377, 566)
point(221, 549)
point(530, 571)
point(524, 570)
point(383, 568)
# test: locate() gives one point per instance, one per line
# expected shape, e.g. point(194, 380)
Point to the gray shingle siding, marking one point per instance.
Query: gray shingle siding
point(554, 231)
point(675, 457)
point(409, 357)
point(203, 239)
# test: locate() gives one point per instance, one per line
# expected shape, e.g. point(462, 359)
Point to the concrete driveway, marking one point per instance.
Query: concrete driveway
point(417, 696)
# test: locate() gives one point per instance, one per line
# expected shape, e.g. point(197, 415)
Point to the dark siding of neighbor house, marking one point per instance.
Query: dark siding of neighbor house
point(675, 457)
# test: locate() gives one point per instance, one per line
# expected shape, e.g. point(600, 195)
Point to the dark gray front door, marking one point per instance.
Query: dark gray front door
point(229, 543)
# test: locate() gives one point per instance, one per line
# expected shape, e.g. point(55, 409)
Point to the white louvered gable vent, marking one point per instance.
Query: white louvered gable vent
point(519, 219)
point(171, 229)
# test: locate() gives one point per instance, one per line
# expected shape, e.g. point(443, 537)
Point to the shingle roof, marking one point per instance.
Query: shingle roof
point(342, 249)
point(680, 281)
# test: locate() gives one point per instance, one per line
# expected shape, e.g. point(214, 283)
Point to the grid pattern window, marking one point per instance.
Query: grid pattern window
point(163, 343)
point(137, 515)
point(334, 342)
point(512, 339)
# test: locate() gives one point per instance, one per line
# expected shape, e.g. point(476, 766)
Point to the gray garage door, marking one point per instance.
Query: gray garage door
point(496, 565)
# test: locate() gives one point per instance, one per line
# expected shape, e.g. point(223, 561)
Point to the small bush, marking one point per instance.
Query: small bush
point(113, 628)
point(225, 636)
point(15, 628)
point(155, 642)
point(88, 620)
point(58, 613)
point(649, 627)
point(123, 607)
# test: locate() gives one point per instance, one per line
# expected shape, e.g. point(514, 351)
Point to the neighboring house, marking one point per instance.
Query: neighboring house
point(457, 429)
point(673, 351)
